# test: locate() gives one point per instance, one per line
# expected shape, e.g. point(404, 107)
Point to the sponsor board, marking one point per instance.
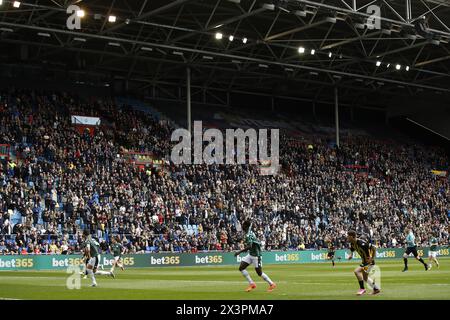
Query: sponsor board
point(60, 262)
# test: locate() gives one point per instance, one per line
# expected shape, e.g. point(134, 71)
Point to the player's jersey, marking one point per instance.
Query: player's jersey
point(410, 240)
point(116, 249)
point(434, 244)
point(331, 247)
point(93, 247)
point(251, 240)
point(363, 248)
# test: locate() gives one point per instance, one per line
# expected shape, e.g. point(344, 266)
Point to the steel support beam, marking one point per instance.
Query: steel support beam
point(302, 28)
point(322, 4)
point(225, 55)
point(154, 12)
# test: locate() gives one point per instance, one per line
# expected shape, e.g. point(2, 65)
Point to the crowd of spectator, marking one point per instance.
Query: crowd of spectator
point(61, 181)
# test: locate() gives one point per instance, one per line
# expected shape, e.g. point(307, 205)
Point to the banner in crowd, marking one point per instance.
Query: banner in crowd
point(439, 173)
point(83, 120)
point(50, 262)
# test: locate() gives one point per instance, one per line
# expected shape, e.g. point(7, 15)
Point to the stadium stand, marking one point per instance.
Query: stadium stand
point(58, 181)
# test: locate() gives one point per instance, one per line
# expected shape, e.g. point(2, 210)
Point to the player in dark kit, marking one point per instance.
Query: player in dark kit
point(367, 252)
point(116, 250)
point(254, 257)
point(91, 253)
point(331, 250)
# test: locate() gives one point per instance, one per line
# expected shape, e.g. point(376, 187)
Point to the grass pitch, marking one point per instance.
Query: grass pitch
point(303, 281)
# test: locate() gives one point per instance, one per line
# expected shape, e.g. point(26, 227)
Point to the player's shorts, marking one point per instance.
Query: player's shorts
point(93, 262)
point(432, 254)
point(251, 260)
point(412, 250)
point(330, 254)
point(117, 258)
point(368, 268)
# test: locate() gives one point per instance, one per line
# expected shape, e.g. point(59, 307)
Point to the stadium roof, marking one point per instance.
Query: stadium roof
point(152, 42)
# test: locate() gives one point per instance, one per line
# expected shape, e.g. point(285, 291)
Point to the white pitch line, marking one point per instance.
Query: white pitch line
point(2, 298)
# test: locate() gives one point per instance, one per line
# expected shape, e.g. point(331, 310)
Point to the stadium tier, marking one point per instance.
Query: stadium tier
point(114, 177)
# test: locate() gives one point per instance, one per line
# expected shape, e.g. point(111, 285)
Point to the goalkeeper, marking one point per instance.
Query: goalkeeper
point(367, 252)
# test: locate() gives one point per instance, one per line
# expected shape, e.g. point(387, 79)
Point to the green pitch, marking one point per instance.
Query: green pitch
point(304, 281)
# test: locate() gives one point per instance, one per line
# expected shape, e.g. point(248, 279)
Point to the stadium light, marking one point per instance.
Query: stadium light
point(219, 36)
point(378, 63)
point(407, 68)
point(80, 13)
point(301, 50)
point(112, 19)
point(1, 2)
point(244, 40)
point(330, 55)
point(388, 65)
point(231, 38)
point(398, 67)
point(16, 4)
point(313, 52)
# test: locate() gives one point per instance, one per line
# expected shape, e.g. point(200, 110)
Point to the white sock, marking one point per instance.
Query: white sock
point(266, 278)
point(91, 274)
point(101, 272)
point(247, 276)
